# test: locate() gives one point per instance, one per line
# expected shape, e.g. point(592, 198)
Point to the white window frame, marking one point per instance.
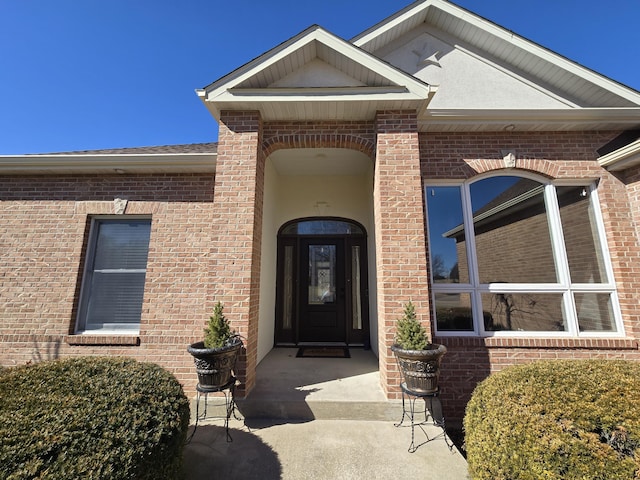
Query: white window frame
point(564, 286)
point(85, 289)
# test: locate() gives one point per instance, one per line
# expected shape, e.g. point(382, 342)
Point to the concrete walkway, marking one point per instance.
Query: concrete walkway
point(317, 418)
point(319, 449)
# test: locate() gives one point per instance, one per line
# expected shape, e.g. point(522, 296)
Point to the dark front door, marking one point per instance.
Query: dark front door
point(321, 289)
point(322, 294)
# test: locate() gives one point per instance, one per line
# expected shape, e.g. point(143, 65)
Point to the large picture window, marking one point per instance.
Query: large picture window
point(113, 281)
point(511, 254)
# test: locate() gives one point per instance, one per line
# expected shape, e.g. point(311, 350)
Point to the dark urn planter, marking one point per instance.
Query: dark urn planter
point(214, 366)
point(420, 368)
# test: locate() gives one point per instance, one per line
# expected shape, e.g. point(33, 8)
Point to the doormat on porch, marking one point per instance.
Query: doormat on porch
point(323, 352)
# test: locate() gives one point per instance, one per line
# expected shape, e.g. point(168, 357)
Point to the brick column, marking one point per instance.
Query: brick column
point(237, 232)
point(400, 234)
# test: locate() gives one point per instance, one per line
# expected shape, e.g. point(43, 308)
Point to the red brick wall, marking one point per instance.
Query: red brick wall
point(43, 232)
point(237, 232)
point(631, 178)
point(400, 234)
point(554, 155)
point(470, 360)
point(202, 251)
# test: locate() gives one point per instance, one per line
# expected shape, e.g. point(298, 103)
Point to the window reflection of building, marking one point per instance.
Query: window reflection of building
point(529, 265)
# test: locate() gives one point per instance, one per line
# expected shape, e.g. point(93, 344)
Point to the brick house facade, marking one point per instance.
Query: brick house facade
point(355, 134)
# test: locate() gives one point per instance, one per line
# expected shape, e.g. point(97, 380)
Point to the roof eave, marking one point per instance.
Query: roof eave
point(623, 158)
point(604, 118)
point(108, 163)
point(361, 102)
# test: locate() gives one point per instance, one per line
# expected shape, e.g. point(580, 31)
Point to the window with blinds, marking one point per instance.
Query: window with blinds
point(113, 281)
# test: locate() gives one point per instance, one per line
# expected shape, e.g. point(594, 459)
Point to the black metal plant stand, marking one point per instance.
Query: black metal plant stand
point(228, 390)
point(434, 411)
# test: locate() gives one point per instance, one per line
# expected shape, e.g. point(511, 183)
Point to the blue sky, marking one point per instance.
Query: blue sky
point(89, 74)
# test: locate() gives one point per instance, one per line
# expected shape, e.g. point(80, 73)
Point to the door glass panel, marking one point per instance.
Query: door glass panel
point(287, 311)
point(322, 274)
point(355, 289)
point(322, 227)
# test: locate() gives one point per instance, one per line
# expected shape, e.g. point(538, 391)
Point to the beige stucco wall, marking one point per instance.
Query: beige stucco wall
point(465, 79)
point(266, 324)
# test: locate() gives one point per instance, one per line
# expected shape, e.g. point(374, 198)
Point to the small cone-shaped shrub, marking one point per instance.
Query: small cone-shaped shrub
point(218, 332)
point(410, 334)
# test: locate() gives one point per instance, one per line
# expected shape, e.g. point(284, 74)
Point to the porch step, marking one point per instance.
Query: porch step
point(248, 409)
point(320, 410)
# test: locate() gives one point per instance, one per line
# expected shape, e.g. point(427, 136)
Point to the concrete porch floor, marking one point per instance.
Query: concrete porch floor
point(318, 418)
point(318, 388)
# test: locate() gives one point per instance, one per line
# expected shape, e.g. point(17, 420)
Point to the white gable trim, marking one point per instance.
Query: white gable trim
point(227, 92)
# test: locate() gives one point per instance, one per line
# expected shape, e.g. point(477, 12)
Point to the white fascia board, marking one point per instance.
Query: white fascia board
point(394, 75)
point(358, 103)
point(318, 94)
point(316, 91)
point(623, 158)
point(616, 116)
point(268, 58)
point(111, 163)
point(390, 23)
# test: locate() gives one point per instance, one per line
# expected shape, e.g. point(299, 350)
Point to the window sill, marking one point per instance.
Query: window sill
point(103, 340)
point(541, 343)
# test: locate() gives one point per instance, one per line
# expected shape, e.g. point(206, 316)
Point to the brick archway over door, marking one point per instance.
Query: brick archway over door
point(359, 136)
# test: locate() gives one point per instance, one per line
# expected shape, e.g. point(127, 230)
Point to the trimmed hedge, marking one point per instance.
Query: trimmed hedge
point(91, 418)
point(562, 419)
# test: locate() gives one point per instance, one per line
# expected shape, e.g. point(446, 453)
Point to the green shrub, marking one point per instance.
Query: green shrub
point(410, 334)
point(91, 418)
point(218, 332)
point(558, 419)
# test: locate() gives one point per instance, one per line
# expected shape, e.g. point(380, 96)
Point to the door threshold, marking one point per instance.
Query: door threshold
point(323, 344)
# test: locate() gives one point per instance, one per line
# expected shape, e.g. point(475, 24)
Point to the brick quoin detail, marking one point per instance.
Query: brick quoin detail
point(400, 236)
point(237, 232)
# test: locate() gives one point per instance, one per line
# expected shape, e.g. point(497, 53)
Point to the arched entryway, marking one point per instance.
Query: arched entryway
point(322, 283)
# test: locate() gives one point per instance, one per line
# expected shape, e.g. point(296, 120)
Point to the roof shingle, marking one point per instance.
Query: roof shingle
point(211, 148)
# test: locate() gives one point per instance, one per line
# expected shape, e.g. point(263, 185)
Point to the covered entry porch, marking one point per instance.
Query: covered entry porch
point(307, 175)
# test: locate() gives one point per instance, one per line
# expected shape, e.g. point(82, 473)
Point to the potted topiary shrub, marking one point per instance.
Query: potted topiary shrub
point(419, 360)
point(215, 356)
